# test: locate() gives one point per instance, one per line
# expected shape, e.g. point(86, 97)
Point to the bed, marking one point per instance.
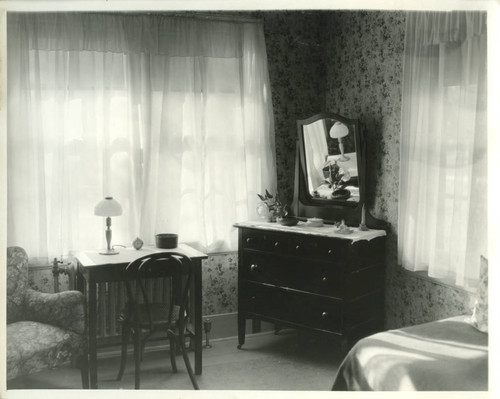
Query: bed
point(445, 355)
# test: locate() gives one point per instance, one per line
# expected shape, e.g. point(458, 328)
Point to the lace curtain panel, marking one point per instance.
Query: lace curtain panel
point(171, 116)
point(443, 221)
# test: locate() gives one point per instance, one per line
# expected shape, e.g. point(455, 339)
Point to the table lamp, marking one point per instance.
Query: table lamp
point(108, 207)
point(337, 131)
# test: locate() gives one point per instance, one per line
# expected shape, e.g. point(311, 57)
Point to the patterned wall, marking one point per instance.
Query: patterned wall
point(364, 69)
point(219, 289)
point(296, 70)
point(348, 62)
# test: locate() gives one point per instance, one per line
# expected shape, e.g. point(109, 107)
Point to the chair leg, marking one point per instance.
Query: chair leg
point(173, 352)
point(123, 360)
point(182, 344)
point(143, 348)
point(137, 358)
point(84, 370)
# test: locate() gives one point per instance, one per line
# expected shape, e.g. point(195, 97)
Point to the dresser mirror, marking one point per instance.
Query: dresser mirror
point(329, 173)
point(330, 159)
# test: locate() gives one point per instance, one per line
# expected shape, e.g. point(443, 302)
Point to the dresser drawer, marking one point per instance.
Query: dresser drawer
point(289, 272)
point(323, 282)
point(292, 307)
point(362, 310)
point(299, 245)
point(366, 253)
point(364, 281)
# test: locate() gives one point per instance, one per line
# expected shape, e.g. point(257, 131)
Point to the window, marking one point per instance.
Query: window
point(180, 132)
point(442, 226)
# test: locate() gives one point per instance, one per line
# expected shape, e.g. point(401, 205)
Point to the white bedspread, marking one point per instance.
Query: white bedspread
point(445, 355)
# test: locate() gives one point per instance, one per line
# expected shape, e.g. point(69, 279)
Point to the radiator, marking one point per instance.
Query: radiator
point(111, 298)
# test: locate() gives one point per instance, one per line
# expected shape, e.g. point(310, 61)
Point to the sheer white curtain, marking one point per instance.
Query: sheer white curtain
point(316, 151)
point(171, 116)
point(443, 177)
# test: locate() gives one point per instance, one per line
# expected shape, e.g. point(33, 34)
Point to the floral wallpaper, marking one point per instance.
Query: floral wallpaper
point(347, 62)
point(296, 70)
point(350, 62)
point(219, 276)
point(220, 283)
point(364, 51)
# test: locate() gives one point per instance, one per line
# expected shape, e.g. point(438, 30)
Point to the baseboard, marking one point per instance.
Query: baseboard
point(223, 326)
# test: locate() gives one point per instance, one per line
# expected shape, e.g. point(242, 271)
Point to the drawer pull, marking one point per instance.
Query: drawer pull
point(330, 252)
point(276, 244)
point(253, 267)
point(249, 240)
point(297, 247)
point(324, 279)
point(324, 315)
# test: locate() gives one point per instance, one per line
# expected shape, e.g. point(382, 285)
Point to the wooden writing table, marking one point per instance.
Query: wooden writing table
point(94, 268)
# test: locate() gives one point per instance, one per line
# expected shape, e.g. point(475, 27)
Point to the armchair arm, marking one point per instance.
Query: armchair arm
point(63, 309)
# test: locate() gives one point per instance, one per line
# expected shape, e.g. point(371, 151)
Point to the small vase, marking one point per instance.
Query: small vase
point(263, 211)
point(137, 243)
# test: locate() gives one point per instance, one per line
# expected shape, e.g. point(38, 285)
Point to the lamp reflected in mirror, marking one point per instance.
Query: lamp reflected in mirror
point(338, 131)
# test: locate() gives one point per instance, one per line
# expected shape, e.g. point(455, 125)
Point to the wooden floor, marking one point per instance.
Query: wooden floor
point(283, 362)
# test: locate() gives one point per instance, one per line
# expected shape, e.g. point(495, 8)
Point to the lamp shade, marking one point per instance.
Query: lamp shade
point(108, 207)
point(338, 130)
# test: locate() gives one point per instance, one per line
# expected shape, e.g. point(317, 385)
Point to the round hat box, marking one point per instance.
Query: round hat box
point(166, 241)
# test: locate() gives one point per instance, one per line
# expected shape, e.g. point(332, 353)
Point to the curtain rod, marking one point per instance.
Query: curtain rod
point(215, 15)
point(218, 15)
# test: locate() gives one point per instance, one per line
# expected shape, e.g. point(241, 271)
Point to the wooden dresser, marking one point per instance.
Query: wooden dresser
point(311, 278)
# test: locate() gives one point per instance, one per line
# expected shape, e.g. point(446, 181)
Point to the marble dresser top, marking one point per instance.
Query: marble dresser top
point(326, 230)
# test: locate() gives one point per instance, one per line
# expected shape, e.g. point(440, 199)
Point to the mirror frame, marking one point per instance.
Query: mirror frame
point(304, 206)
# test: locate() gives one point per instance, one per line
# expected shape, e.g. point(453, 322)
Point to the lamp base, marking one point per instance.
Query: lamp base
point(362, 227)
point(108, 252)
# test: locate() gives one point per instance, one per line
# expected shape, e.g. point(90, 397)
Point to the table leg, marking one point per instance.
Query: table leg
point(241, 329)
point(92, 329)
point(80, 283)
point(81, 286)
point(197, 318)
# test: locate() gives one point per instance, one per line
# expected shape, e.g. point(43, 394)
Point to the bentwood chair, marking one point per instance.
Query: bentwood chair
point(148, 314)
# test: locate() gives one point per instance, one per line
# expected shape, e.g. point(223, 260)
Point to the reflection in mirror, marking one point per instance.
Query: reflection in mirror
point(331, 160)
point(330, 172)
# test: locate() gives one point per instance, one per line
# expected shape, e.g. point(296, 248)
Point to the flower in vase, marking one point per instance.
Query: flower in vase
point(275, 209)
point(336, 177)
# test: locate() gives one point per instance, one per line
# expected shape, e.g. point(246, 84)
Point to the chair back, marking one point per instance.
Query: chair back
point(149, 307)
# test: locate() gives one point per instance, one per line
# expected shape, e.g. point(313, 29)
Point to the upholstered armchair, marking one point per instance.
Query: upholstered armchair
point(43, 330)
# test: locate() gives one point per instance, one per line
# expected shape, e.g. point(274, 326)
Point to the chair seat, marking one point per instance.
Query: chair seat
point(33, 346)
